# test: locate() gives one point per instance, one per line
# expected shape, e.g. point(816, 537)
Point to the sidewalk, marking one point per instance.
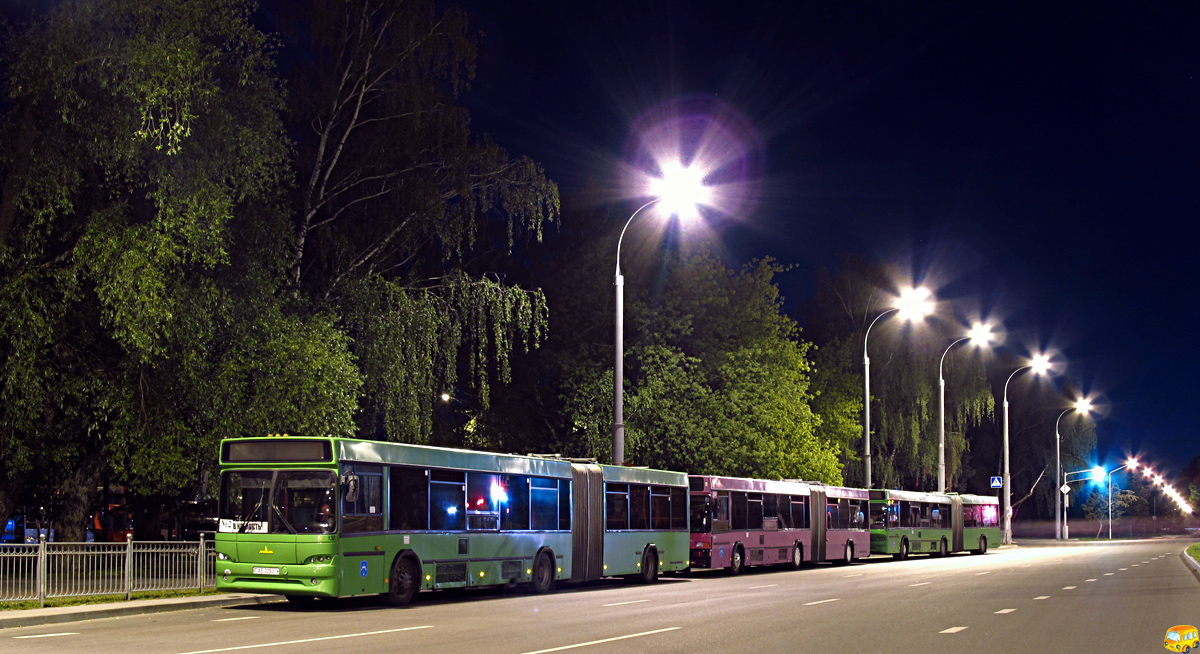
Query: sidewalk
point(58, 614)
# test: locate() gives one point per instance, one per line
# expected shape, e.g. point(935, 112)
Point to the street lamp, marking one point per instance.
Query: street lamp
point(678, 192)
point(1083, 407)
point(1040, 364)
point(913, 304)
point(979, 336)
point(1098, 474)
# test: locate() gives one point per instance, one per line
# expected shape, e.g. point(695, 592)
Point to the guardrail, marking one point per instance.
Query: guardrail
point(48, 570)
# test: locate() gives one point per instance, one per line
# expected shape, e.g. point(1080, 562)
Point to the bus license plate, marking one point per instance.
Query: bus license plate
point(266, 571)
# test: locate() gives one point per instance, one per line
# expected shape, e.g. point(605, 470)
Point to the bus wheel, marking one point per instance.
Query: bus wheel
point(737, 562)
point(847, 554)
point(903, 553)
point(942, 549)
point(404, 582)
point(543, 574)
point(649, 567)
point(300, 600)
point(797, 556)
point(982, 546)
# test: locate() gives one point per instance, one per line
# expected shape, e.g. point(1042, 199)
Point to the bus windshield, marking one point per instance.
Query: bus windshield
point(278, 502)
point(701, 514)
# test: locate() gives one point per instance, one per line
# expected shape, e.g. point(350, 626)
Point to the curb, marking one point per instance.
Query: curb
point(1190, 563)
point(37, 617)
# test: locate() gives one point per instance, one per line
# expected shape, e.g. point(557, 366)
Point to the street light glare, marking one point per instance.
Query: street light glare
point(682, 189)
point(980, 334)
point(1132, 464)
point(915, 303)
point(1040, 364)
point(1083, 406)
point(1098, 474)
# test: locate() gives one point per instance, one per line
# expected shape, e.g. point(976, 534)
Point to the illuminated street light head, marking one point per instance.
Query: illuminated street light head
point(980, 334)
point(682, 190)
point(915, 303)
point(445, 397)
point(1040, 364)
point(1098, 474)
point(1132, 464)
point(1083, 406)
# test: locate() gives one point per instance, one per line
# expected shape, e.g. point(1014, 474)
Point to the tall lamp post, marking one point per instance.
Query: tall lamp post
point(1098, 474)
point(913, 304)
point(1039, 364)
point(1082, 407)
point(979, 336)
point(679, 191)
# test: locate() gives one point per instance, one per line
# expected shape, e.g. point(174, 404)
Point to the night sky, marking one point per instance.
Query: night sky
point(1038, 163)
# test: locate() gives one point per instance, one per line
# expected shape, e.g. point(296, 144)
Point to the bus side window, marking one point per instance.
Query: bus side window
point(679, 508)
point(408, 498)
point(783, 507)
point(367, 513)
point(616, 506)
point(739, 519)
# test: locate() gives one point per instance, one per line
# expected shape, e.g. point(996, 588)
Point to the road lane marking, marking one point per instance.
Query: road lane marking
point(1089, 580)
point(821, 602)
point(606, 640)
point(1041, 597)
point(1122, 569)
point(1133, 566)
point(65, 633)
point(248, 617)
point(1109, 574)
point(1003, 611)
point(951, 630)
point(624, 603)
point(308, 640)
point(767, 586)
point(1070, 587)
point(983, 573)
point(923, 583)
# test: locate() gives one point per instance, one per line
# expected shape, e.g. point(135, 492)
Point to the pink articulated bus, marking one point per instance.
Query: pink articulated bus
point(743, 522)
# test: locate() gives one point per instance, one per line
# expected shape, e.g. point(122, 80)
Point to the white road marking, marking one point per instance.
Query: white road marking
point(307, 640)
point(1133, 566)
point(1089, 580)
point(1070, 587)
point(1002, 611)
point(624, 603)
point(606, 640)
point(1122, 569)
point(951, 630)
point(983, 573)
point(821, 602)
point(248, 617)
point(1109, 574)
point(767, 586)
point(1041, 597)
point(65, 633)
point(923, 583)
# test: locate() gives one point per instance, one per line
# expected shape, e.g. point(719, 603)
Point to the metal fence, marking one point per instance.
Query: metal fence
point(47, 570)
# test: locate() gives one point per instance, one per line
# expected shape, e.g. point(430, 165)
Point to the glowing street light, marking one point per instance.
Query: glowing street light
point(1040, 364)
point(679, 191)
point(913, 304)
point(1098, 474)
point(980, 335)
point(1082, 406)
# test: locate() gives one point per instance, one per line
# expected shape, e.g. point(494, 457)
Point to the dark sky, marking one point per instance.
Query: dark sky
point(1038, 163)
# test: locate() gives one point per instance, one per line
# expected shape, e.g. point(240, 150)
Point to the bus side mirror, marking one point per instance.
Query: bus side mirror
point(349, 488)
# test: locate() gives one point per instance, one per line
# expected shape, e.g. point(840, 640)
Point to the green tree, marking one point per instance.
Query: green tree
point(403, 218)
point(143, 161)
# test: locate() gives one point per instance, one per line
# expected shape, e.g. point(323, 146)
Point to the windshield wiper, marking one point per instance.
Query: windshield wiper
point(283, 519)
point(253, 512)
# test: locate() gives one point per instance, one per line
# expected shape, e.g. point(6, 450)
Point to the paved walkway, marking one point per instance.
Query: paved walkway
point(53, 615)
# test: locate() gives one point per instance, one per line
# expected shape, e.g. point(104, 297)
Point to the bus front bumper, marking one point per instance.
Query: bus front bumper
point(314, 580)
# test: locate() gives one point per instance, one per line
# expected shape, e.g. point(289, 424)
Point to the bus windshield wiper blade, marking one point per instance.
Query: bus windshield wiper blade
point(283, 519)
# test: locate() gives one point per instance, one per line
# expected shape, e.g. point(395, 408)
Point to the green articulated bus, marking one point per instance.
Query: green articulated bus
point(338, 517)
point(905, 522)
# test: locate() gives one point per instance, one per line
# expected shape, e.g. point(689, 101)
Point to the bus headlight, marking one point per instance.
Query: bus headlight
point(222, 556)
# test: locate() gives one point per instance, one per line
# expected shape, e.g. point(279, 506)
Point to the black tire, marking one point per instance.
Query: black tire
point(943, 551)
point(797, 561)
point(543, 574)
point(902, 555)
point(847, 554)
point(300, 600)
point(982, 545)
point(649, 567)
point(737, 562)
point(404, 583)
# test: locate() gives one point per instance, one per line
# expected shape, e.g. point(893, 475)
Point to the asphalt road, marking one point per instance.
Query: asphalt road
point(1119, 597)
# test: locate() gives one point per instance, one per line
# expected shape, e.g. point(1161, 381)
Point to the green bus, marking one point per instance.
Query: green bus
point(904, 522)
point(339, 517)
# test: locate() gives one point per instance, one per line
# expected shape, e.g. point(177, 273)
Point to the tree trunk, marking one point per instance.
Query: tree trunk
point(78, 494)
